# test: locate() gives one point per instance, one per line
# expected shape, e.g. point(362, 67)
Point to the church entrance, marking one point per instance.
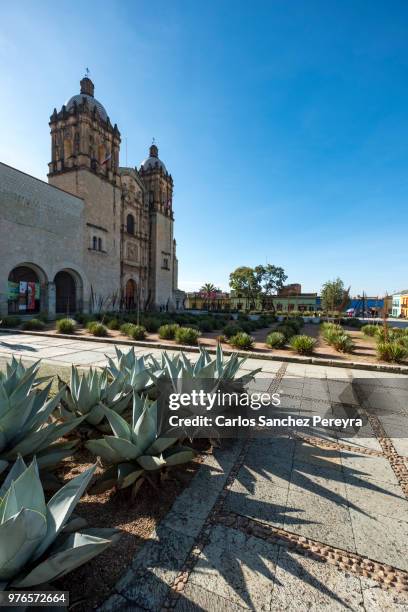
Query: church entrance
point(130, 295)
point(65, 293)
point(24, 291)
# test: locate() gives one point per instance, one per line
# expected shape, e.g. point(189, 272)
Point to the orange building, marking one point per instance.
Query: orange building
point(404, 304)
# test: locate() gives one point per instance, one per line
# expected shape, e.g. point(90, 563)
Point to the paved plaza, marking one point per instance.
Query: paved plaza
point(308, 521)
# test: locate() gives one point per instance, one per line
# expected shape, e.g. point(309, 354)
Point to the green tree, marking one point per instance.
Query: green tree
point(271, 278)
point(245, 282)
point(332, 294)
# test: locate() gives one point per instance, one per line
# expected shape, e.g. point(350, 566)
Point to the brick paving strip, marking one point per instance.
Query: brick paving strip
point(397, 462)
point(160, 572)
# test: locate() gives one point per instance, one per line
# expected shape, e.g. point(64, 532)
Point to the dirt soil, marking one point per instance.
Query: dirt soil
point(90, 584)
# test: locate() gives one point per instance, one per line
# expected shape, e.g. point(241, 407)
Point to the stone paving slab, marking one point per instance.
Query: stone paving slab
point(376, 599)
point(375, 468)
point(316, 479)
point(377, 498)
point(262, 502)
point(238, 568)
point(305, 584)
point(325, 458)
point(191, 508)
point(320, 518)
point(381, 538)
point(198, 599)
point(85, 358)
point(153, 570)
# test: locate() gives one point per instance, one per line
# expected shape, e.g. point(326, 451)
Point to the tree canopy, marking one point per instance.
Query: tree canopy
point(252, 283)
point(332, 294)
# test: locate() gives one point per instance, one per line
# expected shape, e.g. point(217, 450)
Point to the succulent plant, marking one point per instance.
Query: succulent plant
point(85, 395)
point(135, 449)
point(16, 371)
point(37, 544)
point(25, 426)
point(206, 367)
point(133, 372)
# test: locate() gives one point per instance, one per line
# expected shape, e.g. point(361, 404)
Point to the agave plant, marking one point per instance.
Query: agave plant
point(38, 542)
point(205, 367)
point(86, 395)
point(17, 371)
point(24, 420)
point(135, 449)
point(132, 371)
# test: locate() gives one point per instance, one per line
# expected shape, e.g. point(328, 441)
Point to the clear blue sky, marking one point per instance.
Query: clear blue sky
point(284, 124)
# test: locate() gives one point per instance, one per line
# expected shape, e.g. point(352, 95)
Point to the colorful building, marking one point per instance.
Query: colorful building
point(212, 301)
point(396, 305)
point(404, 304)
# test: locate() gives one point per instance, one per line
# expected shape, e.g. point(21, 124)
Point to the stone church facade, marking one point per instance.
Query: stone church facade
point(98, 236)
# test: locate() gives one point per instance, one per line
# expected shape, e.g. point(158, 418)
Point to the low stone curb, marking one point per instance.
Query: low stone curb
point(334, 363)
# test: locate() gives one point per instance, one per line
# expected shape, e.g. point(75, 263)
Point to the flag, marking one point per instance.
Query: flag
point(106, 159)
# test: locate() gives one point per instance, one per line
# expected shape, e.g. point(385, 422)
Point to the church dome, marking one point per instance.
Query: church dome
point(87, 92)
point(153, 162)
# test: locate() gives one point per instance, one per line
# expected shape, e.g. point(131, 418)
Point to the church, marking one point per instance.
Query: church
point(98, 236)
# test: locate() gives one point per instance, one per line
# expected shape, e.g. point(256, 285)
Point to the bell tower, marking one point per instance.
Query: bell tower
point(159, 192)
point(85, 162)
point(82, 136)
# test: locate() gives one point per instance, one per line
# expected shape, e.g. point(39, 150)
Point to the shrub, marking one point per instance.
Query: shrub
point(138, 332)
point(248, 326)
point(33, 325)
point(206, 325)
point(242, 340)
point(391, 351)
point(232, 329)
point(398, 332)
point(82, 318)
point(43, 316)
point(304, 345)
point(98, 329)
point(152, 324)
point(113, 324)
point(343, 343)
point(370, 329)
point(187, 335)
point(403, 341)
point(393, 334)
point(276, 340)
point(10, 321)
point(286, 330)
point(352, 322)
point(168, 332)
point(126, 328)
point(66, 326)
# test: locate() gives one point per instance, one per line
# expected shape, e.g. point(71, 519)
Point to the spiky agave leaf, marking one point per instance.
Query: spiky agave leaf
point(25, 411)
point(33, 546)
point(136, 447)
point(86, 394)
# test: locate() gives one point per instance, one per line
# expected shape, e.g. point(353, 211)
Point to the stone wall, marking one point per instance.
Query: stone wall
point(102, 215)
point(162, 261)
point(41, 227)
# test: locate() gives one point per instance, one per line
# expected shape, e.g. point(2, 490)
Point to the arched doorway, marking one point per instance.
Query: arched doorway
point(130, 295)
point(24, 290)
point(65, 292)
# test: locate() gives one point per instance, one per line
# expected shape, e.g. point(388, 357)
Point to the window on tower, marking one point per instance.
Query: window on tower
point(94, 243)
point(130, 224)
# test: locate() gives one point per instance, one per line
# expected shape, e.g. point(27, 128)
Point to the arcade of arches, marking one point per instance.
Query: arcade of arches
point(30, 291)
